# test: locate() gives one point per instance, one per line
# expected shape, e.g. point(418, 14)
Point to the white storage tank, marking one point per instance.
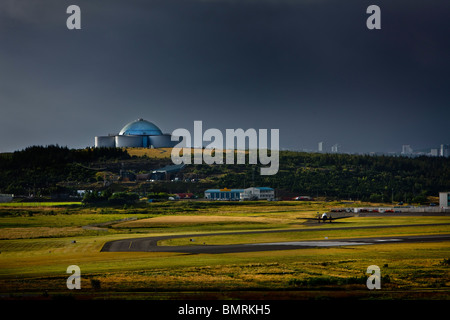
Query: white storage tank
point(162, 141)
point(128, 141)
point(105, 142)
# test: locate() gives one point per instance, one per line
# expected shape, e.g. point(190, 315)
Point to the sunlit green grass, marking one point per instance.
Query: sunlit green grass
point(39, 204)
point(409, 266)
point(308, 234)
point(39, 264)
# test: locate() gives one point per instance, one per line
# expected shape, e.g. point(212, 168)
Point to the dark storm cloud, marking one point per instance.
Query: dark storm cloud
point(309, 68)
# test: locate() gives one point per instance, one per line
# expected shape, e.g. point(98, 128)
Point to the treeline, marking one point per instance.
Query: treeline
point(39, 169)
point(107, 197)
point(344, 176)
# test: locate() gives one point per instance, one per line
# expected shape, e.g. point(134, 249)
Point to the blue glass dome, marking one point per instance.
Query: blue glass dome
point(140, 127)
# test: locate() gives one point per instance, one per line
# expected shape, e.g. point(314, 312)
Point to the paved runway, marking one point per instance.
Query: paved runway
point(150, 244)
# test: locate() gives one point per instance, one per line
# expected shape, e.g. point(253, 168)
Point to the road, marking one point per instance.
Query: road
point(150, 244)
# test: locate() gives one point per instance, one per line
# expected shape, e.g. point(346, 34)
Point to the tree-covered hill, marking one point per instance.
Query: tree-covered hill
point(362, 177)
point(41, 168)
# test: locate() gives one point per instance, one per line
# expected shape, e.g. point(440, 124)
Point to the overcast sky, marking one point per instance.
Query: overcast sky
point(309, 68)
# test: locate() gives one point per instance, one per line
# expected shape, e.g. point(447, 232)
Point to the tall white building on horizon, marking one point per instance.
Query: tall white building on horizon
point(444, 150)
point(406, 149)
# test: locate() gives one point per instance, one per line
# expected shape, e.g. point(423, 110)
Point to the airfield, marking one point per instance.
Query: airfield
point(212, 250)
point(150, 244)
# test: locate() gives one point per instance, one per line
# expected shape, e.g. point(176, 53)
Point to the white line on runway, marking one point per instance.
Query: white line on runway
point(314, 243)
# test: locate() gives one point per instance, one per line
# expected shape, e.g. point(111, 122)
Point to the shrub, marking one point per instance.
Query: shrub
point(96, 285)
point(329, 281)
point(122, 198)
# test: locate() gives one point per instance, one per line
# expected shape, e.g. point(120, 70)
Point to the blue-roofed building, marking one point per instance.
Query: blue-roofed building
point(257, 193)
point(223, 194)
point(140, 127)
point(137, 134)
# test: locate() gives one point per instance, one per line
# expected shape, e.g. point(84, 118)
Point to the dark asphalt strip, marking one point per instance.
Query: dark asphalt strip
point(150, 244)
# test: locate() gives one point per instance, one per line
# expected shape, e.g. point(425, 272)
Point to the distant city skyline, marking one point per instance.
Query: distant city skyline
point(311, 69)
point(442, 150)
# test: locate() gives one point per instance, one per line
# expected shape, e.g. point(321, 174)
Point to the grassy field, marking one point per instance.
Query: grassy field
point(165, 152)
point(39, 204)
point(315, 234)
point(36, 250)
point(151, 153)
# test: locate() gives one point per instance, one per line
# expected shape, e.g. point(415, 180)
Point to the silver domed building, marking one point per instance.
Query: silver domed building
point(137, 134)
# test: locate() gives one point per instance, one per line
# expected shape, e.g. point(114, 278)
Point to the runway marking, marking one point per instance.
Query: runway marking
point(313, 243)
point(149, 244)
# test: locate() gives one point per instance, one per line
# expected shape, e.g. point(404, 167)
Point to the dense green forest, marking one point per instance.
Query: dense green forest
point(344, 176)
point(41, 168)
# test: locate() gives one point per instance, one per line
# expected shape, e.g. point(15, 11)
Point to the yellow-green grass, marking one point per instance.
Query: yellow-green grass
point(166, 152)
point(39, 204)
point(309, 208)
point(224, 223)
point(409, 266)
point(61, 220)
point(57, 225)
point(25, 253)
point(208, 223)
point(37, 265)
point(315, 234)
point(151, 153)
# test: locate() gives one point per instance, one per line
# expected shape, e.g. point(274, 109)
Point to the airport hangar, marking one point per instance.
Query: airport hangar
point(137, 134)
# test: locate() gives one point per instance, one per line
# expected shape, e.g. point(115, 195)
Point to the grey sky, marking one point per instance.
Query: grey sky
point(309, 68)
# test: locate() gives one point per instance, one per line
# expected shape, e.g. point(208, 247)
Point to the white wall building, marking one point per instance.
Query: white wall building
point(444, 199)
point(406, 149)
point(258, 193)
point(444, 150)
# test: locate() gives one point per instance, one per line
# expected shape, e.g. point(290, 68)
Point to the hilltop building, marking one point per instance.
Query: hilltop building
point(137, 134)
point(406, 149)
point(444, 150)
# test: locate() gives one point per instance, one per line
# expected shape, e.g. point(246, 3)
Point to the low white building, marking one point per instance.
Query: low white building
point(444, 199)
point(258, 193)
